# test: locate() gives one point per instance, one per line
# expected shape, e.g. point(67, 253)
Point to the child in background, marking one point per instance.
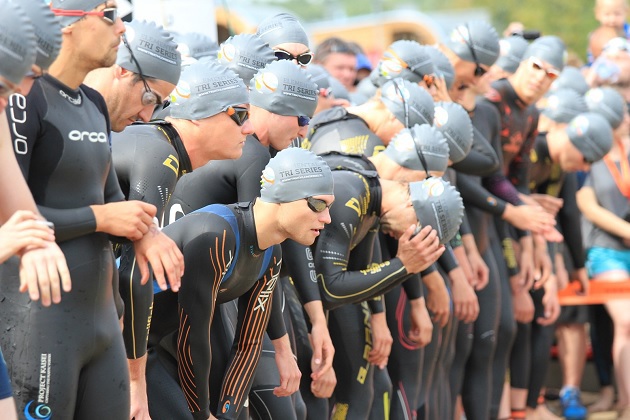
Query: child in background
point(610, 14)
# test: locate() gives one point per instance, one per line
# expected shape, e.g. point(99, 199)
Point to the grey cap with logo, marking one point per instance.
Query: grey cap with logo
point(206, 88)
point(438, 204)
point(550, 49)
point(511, 53)
point(571, 78)
point(18, 43)
point(562, 105)
point(294, 174)
point(408, 102)
point(245, 54)
point(405, 59)
point(280, 29)
point(196, 45)
point(454, 122)
point(284, 88)
point(85, 5)
point(607, 102)
point(478, 35)
point(407, 147)
point(155, 50)
point(319, 76)
point(443, 66)
point(591, 134)
point(47, 30)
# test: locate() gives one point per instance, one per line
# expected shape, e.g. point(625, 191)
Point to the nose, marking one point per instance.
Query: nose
point(303, 131)
point(324, 216)
point(119, 26)
point(247, 128)
point(146, 113)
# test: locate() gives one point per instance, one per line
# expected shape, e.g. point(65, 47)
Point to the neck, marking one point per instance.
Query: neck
point(384, 166)
point(68, 69)
point(267, 231)
point(391, 193)
point(101, 80)
point(260, 123)
point(618, 143)
point(372, 114)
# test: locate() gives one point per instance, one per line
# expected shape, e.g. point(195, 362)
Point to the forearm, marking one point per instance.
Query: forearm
point(70, 223)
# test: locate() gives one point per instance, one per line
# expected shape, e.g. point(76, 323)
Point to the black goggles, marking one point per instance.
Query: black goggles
point(303, 59)
point(317, 204)
point(303, 120)
point(238, 114)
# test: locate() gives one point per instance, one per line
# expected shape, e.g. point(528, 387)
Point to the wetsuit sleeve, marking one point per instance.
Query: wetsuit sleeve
point(447, 260)
point(253, 315)
point(276, 327)
point(482, 160)
point(569, 220)
point(339, 282)
point(300, 264)
point(506, 244)
point(413, 287)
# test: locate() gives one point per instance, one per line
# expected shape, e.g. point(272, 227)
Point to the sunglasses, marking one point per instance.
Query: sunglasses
point(304, 58)
point(149, 98)
point(479, 71)
point(6, 90)
point(538, 65)
point(317, 205)
point(109, 15)
point(238, 114)
point(303, 120)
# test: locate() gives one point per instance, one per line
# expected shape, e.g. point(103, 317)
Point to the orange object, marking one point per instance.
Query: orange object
point(601, 291)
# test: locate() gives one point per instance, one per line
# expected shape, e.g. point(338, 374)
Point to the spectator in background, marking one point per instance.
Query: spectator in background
point(339, 58)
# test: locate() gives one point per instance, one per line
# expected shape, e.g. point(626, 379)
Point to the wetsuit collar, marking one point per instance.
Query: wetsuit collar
point(511, 95)
point(71, 95)
point(248, 238)
point(172, 135)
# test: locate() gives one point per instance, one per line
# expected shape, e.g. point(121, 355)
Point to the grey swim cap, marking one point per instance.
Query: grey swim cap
point(591, 134)
point(47, 30)
point(607, 102)
point(154, 49)
point(280, 29)
point(319, 75)
point(284, 88)
point(479, 35)
point(407, 146)
point(196, 45)
point(562, 105)
point(85, 5)
point(294, 174)
point(550, 49)
point(571, 78)
point(405, 59)
point(454, 122)
point(443, 66)
point(438, 204)
point(18, 44)
point(415, 106)
point(206, 88)
point(512, 50)
point(245, 54)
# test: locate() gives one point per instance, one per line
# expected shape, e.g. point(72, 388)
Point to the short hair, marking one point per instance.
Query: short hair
point(330, 46)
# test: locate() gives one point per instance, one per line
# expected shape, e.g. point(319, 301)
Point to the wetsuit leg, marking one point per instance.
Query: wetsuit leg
point(477, 385)
point(431, 353)
point(352, 337)
point(521, 357)
point(602, 334)
point(463, 348)
point(405, 360)
point(5, 383)
point(382, 395)
point(506, 331)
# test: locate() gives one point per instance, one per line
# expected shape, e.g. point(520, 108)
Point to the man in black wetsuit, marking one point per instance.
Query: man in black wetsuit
point(74, 349)
point(244, 262)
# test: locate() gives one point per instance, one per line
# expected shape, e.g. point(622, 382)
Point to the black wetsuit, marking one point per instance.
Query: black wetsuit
point(66, 360)
point(223, 263)
point(225, 182)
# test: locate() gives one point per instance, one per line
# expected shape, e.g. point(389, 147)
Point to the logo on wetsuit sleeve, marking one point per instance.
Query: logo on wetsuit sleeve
point(91, 136)
point(264, 296)
point(226, 407)
point(41, 411)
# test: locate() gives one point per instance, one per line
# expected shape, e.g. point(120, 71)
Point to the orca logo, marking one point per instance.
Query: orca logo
point(94, 137)
point(41, 412)
point(226, 407)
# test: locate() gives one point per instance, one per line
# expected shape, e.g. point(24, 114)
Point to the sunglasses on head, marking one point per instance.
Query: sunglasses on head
point(303, 59)
point(303, 120)
point(317, 205)
point(538, 65)
point(238, 114)
point(479, 71)
point(148, 96)
point(109, 15)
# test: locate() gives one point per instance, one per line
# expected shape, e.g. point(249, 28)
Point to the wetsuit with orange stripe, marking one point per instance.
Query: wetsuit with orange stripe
point(224, 262)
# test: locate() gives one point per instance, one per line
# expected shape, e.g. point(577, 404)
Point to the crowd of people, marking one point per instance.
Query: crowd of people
point(258, 230)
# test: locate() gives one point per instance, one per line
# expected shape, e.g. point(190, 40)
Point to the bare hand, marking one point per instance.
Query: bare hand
point(164, 256)
point(562, 275)
point(527, 217)
point(523, 307)
point(462, 260)
point(382, 341)
point(41, 270)
point(582, 276)
point(139, 402)
point(324, 386)
point(421, 329)
point(440, 93)
point(542, 264)
point(480, 270)
point(128, 219)
point(527, 264)
point(551, 204)
point(290, 374)
point(465, 300)
point(23, 230)
point(550, 303)
point(323, 350)
point(419, 252)
point(438, 300)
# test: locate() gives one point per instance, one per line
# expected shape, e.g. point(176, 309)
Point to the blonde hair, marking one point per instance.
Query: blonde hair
point(600, 3)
